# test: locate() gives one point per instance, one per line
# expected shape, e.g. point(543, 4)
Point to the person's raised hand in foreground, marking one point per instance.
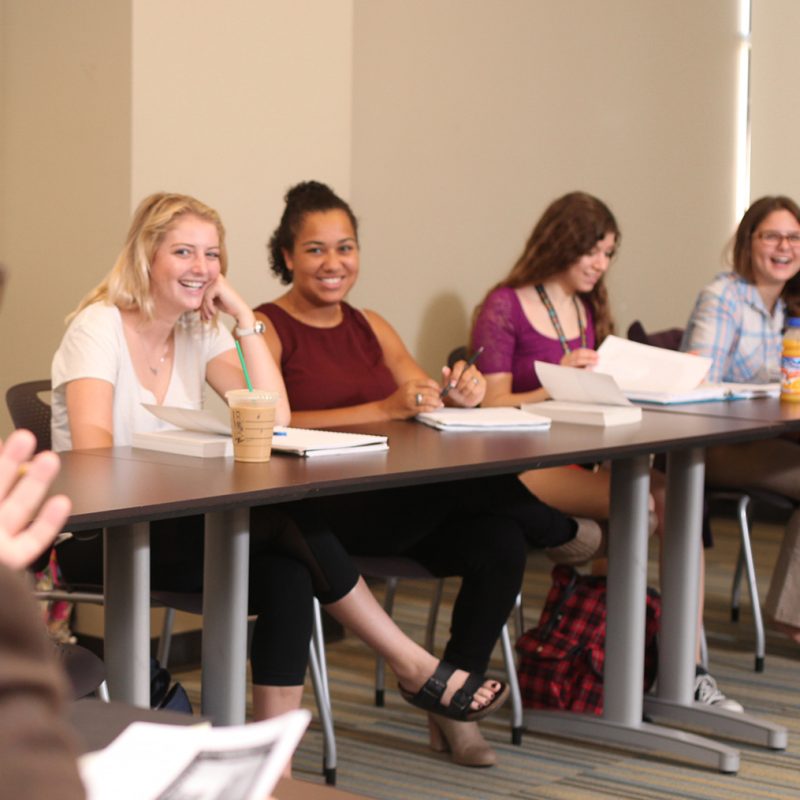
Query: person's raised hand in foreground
point(27, 526)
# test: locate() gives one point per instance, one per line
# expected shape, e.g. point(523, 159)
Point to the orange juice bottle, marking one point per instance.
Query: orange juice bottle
point(790, 362)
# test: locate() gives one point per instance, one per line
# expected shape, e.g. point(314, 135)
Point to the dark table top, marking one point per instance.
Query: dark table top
point(762, 409)
point(116, 486)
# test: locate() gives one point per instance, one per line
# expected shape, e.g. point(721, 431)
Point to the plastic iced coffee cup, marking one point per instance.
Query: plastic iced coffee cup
point(252, 421)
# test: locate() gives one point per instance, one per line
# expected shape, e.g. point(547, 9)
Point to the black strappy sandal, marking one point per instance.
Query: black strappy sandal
point(429, 697)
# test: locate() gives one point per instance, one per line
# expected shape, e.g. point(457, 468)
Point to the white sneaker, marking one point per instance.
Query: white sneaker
point(707, 692)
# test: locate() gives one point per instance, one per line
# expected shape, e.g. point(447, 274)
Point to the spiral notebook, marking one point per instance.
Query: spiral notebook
point(199, 433)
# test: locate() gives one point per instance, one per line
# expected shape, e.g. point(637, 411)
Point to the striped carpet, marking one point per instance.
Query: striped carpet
point(383, 752)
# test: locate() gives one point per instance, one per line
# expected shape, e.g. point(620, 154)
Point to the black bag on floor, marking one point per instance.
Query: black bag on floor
point(164, 694)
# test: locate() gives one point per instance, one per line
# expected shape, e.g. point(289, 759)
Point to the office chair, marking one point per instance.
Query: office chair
point(743, 499)
point(29, 410)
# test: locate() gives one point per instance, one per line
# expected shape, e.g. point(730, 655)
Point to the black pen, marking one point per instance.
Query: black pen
point(470, 361)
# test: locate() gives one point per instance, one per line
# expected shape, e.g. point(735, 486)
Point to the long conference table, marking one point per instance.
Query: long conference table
point(123, 489)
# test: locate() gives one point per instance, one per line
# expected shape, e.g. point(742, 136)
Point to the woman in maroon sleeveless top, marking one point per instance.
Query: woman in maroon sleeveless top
point(343, 366)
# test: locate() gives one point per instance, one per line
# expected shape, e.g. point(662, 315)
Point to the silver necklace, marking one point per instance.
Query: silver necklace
point(164, 357)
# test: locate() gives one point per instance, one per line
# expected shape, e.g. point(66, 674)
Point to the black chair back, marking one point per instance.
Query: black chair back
point(29, 411)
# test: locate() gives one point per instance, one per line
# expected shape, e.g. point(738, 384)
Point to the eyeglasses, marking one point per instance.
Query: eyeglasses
point(774, 238)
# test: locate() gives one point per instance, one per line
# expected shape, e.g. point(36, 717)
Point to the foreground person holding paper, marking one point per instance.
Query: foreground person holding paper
point(148, 334)
point(553, 307)
point(738, 322)
point(343, 366)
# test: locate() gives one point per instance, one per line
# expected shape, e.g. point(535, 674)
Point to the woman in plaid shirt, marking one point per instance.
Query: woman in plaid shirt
point(738, 322)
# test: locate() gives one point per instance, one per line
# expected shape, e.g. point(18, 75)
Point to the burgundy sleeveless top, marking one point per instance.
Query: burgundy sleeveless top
point(330, 367)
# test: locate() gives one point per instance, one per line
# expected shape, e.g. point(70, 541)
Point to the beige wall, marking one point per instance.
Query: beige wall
point(469, 117)
point(234, 102)
point(449, 123)
point(775, 107)
point(104, 102)
point(64, 166)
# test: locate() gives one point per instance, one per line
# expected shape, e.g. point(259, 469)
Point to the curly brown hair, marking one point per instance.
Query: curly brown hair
point(568, 229)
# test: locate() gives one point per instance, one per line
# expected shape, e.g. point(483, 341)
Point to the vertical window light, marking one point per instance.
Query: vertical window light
point(743, 109)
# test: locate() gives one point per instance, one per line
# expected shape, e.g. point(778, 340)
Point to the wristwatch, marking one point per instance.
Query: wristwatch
point(259, 327)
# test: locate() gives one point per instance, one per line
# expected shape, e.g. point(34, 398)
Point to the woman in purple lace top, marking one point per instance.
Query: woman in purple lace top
point(553, 306)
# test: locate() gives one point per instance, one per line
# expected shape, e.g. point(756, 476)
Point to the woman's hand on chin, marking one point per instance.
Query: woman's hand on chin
point(221, 296)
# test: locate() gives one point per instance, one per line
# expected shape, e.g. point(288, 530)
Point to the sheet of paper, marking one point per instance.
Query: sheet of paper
point(190, 419)
point(640, 367)
point(579, 385)
point(148, 761)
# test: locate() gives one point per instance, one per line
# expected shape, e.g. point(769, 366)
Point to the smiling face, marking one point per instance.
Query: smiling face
point(582, 275)
point(775, 257)
point(324, 259)
point(185, 262)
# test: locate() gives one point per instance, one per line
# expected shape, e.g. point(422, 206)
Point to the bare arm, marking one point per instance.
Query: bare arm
point(225, 372)
point(498, 392)
point(90, 411)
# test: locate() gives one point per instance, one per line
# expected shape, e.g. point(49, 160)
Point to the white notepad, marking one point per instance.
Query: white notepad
point(483, 419)
point(203, 435)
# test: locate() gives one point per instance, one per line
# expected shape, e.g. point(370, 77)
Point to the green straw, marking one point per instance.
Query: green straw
point(244, 366)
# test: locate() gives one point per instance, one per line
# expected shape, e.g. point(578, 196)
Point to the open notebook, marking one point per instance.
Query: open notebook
point(202, 434)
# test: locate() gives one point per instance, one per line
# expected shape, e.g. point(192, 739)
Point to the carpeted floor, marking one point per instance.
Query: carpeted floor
point(383, 752)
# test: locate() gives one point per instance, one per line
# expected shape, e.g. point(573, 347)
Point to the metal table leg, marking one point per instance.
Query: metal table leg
point(127, 612)
point(621, 723)
point(679, 580)
point(225, 589)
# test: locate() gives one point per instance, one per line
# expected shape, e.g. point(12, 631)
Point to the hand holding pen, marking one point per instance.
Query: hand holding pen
point(468, 384)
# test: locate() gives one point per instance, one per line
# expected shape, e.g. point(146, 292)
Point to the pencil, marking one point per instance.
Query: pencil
point(470, 361)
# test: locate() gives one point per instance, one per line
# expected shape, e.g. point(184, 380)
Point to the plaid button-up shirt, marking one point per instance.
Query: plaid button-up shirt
point(731, 325)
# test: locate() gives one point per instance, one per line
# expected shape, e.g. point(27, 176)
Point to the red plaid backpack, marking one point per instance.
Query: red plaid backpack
point(561, 659)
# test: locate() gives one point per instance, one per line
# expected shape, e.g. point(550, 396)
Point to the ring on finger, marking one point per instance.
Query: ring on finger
point(418, 398)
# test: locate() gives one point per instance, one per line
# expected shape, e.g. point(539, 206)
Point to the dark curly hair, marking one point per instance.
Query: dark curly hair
point(303, 198)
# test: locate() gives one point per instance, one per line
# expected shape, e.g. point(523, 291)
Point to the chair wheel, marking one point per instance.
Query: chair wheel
point(516, 736)
point(734, 614)
point(380, 698)
point(330, 775)
point(759, 663)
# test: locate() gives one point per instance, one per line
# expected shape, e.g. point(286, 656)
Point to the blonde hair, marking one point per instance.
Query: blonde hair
point(127, 285)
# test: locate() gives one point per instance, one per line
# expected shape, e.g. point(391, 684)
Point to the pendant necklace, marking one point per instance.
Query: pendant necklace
point(557, 322)
point(164, 357)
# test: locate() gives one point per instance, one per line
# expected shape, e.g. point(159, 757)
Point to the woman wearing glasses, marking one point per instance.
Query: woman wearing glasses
point(738, 322)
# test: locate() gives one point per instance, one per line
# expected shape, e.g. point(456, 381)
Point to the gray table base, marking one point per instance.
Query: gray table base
point(621, 722)
point(127, 615)
point(225, 590)
point(126, 649)
point(674, 700)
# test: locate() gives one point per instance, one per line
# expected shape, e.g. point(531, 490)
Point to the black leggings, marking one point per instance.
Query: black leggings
point(476, 529)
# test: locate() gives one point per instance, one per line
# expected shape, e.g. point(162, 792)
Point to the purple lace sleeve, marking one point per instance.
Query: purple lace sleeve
point(494, 330)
